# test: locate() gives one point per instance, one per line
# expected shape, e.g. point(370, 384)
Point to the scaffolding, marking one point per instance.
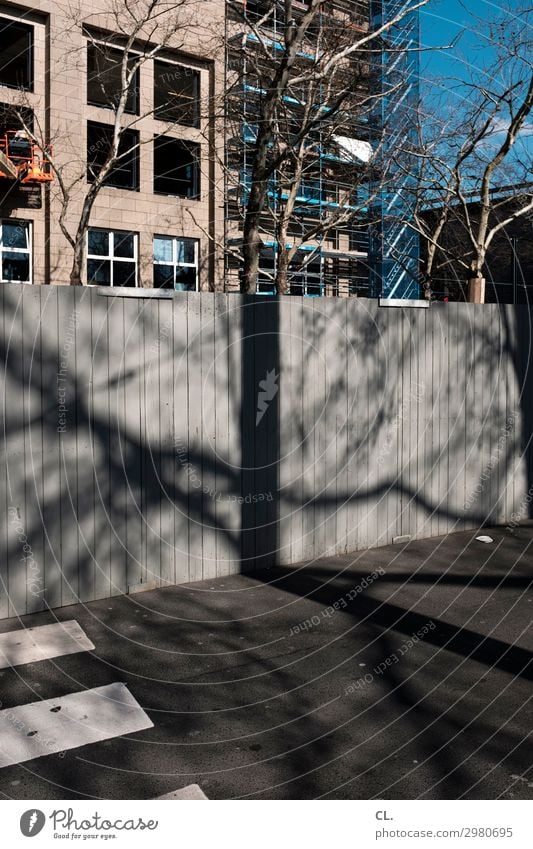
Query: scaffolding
point(336, 262)
point(394, 256)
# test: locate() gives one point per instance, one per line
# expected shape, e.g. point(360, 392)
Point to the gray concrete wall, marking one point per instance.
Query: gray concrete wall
point(133, 454)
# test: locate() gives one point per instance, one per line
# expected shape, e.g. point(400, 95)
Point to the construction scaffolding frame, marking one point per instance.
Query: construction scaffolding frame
point(394, 255)
point(336, 263)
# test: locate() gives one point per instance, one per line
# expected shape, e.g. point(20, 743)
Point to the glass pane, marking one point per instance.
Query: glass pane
point(124, 274)
point(186, 251)
point(176, 167)
point(98, 242)
point(185, 279)
point(162, 249)
point(163, 276)
point(15, 267)
point(125, 172)
point(104, 82)
point(98, 273)
point(15, 235)
point(176, 94)
point(124, 245)
point(16, 48)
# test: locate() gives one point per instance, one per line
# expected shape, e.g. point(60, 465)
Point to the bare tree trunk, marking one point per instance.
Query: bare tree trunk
point(282, 272)
point(476, 290)
point(250, 252)
point(76, 271)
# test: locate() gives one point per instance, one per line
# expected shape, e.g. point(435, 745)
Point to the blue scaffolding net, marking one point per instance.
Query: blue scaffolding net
point(394, 251)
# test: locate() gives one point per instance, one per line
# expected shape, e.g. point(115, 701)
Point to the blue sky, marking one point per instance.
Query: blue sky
point(442, 21)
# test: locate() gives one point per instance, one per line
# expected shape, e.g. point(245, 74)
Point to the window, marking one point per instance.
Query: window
point(10, 120)
point(305, 275)
point(16, 54)
point(175, 263)
point(125, 172)
point(111, 258)
point(176, 94)
point(104, 78)
point(15, 251)
point(176, 167)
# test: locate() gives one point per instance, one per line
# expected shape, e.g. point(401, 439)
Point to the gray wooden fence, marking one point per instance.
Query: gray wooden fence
point(165, 440)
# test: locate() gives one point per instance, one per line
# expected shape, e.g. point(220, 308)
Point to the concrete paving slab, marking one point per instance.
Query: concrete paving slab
point(31, 645)
point(193, 791)
point(69, 722)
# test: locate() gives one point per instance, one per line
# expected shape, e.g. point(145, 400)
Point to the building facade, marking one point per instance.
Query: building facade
point(170, 211)
point(157, 219)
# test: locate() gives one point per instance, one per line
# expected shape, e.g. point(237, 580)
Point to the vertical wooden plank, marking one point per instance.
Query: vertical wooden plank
point(118, 368)
point(180, 437)
point(194, 317)
point(294, 404)
point(14, 427)
point(235, 447)
point(454, 501)
point(224, 472)
point(66, 388)
point(208, 437)
point(85, 480)
point(166, 468)
point(132, 439)
point(249, 400)
point(328, 312)
point(285, 427)
point(152, 445)
point(101, 446)
point(32, 388)
point(320, 435)
point(309, 368)
point(355, 432)
point(51, 374)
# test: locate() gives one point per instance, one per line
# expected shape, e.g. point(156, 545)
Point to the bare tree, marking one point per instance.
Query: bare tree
point(306, 73)
point(138, 32)
point(468, 154)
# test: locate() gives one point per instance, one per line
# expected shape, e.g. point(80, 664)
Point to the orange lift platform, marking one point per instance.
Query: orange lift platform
point(22, 160)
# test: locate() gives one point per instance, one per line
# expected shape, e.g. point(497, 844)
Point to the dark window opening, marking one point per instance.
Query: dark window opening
point(176, 167)
point(176, 94)
point(16, 54)
point(104, 78)
point(125, 171)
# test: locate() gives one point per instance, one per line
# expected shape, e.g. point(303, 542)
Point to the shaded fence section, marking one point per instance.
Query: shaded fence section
point(155, 441)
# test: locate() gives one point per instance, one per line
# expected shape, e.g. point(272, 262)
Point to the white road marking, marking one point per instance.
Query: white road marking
point(192, 791)
point(30, 645)
point(55, 725)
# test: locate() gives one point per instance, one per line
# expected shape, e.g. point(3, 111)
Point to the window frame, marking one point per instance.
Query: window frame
point(174, 263)
point(185, 143)
point(111, 258)
point(29, 251)
point(195, 124)
point(135, 154)
point(31, 55)
point(137, 81)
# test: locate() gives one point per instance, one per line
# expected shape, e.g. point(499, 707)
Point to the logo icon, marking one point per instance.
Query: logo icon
point(269, 389)
point(32, 822)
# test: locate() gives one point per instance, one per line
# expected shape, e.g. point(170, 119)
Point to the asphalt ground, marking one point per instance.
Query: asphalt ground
point(397, 673)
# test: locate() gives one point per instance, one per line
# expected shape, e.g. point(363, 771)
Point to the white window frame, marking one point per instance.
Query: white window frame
point(28, 251)
point(111, 258)
point(174, 262)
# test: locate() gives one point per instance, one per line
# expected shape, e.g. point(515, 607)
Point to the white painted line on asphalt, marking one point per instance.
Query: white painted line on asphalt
point(30, 645)
point(55, 725)
point(192, 791)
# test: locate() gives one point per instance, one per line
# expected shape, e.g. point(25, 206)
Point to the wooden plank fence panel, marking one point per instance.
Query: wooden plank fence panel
point(385, 422)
